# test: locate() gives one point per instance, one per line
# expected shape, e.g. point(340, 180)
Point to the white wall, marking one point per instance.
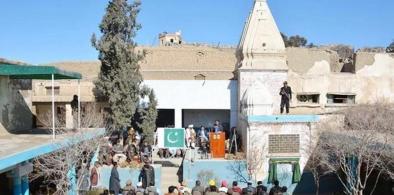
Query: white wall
point(257, 136)
point(260, 80)
point(196, 94)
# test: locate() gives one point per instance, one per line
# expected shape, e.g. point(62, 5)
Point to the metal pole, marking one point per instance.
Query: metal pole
point(79, 104)
point(53, 106)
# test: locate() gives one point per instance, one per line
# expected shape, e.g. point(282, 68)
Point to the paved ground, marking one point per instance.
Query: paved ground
point(15, 143)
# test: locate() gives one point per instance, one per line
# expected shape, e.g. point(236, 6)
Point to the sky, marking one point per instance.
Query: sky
point(45, 31)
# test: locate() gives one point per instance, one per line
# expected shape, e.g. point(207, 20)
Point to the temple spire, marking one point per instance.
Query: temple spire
point(261, 45)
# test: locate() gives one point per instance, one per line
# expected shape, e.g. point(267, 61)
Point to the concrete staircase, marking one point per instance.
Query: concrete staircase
point(169, 171)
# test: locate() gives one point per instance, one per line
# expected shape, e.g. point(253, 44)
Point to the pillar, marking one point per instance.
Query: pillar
point(71, 176)
point(20, 179)
point(25, 185)
point(69, 117)
point(16, 184)
point(178, 118)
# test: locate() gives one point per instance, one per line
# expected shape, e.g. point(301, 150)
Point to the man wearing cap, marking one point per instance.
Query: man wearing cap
point(285, 93)
point(223, 187)
point(211, 189)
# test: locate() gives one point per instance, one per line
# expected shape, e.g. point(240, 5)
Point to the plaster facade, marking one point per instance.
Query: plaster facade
point(370, 84)
point(258, 135)
point(15, 105)
point(315, 71)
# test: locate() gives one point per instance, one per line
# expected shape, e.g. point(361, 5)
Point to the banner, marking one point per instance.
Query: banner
point(170, 137)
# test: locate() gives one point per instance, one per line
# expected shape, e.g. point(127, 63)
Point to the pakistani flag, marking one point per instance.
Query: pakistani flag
point(174, 138)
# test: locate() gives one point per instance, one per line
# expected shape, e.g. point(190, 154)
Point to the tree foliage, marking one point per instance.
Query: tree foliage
point(119, 81)
point(390, 48)
point(147, 115)
point(295, 41)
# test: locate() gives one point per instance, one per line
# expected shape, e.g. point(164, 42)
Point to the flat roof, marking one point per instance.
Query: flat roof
point(17, 148)
point(36, 72)
point(283, 118)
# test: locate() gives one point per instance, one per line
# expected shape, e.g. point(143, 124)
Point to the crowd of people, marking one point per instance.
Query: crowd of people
point(127, 149)
point(224, 189)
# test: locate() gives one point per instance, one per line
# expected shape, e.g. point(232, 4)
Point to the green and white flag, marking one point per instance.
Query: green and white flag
point(171, 137)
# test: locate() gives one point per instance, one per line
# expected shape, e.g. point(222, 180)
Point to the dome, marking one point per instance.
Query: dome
point(257, 100)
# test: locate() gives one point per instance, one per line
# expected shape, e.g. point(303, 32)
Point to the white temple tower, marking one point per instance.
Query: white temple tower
point(262, 64)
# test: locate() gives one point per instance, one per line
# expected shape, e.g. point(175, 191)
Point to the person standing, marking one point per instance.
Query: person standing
point(94, 175)
point(83, 180)
point(193, 136)
point(203, 134)
point(217, 126)
point(286, 96)
point(114, 181)
point(188, 135)
point(147, 175)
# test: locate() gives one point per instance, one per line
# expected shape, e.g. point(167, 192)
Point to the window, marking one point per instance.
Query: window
point(60, 110)
point(55, 89)
point(341, 98)
point(304, 98)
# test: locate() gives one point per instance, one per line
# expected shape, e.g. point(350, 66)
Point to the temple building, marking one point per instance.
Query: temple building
point(198, 84)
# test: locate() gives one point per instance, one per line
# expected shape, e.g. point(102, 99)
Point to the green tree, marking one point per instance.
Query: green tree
point(390, 48)
point(295, 41)
point(311, 45)
point(147, 115)
point(119, 81)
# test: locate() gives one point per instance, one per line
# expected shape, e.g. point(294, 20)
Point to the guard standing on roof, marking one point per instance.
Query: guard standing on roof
point(285, 92)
